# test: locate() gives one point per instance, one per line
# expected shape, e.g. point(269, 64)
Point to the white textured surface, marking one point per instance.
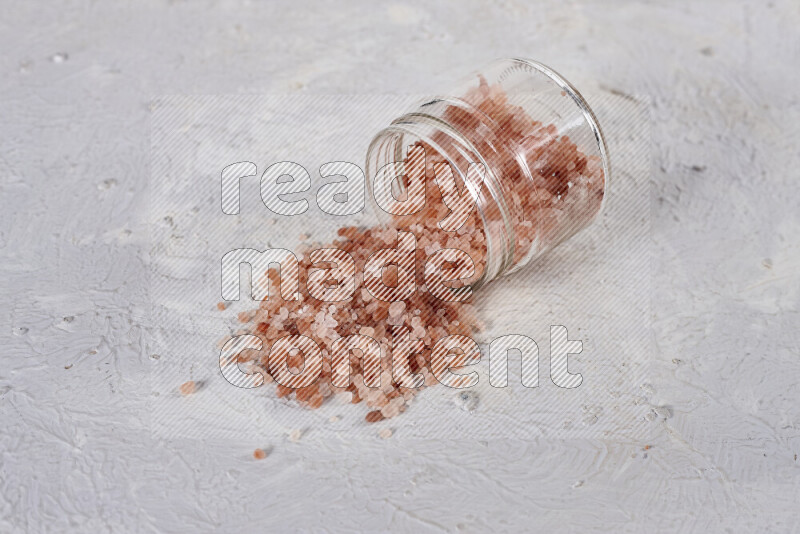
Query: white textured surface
point(76, 453)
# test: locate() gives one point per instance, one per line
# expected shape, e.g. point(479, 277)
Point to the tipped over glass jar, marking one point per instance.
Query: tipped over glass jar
point(503, 167)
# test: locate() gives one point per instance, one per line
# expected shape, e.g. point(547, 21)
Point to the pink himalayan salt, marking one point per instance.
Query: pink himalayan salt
point(396, 308)
point(188, 388)
point(567, 185)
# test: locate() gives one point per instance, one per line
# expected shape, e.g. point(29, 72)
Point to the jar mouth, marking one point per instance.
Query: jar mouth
point(588, 115)
point(411, 127)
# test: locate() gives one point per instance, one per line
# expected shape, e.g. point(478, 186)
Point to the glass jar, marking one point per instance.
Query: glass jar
point(524, 151)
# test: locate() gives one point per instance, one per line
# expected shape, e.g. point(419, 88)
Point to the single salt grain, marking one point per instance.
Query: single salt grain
point(315, 401)
point(390, 410)
point(259, 454)
point(374, 416)
point(295, 435)
point(385, 433)
point(187, 388)
point(367, 331)
point(396, 308)
point(334, 419)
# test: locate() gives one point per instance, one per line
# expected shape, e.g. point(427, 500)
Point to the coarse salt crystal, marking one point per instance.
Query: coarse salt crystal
point(188, 388)
point(396, 308)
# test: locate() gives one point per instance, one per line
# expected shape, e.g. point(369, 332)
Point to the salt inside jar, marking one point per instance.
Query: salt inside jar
point(517, 150)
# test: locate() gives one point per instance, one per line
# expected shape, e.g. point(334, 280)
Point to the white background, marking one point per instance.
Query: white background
point(76, 453)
